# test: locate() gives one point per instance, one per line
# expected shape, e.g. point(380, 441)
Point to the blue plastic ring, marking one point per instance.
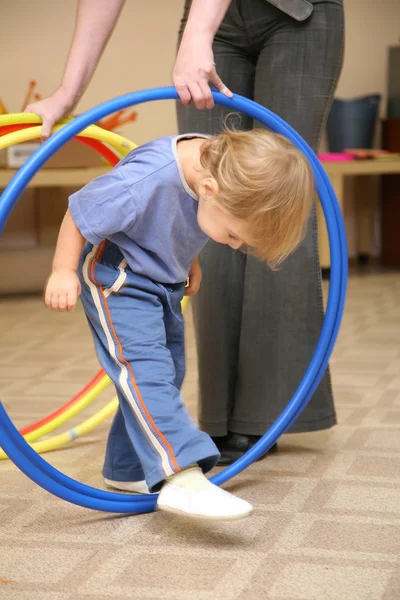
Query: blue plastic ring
point(31, 463)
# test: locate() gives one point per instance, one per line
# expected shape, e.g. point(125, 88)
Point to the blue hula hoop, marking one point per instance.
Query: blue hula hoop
point(55, 482)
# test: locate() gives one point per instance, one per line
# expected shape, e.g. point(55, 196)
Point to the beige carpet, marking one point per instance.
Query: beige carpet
point(327, 519)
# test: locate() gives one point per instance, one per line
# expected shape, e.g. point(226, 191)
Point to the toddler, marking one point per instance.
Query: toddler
point(127, 246)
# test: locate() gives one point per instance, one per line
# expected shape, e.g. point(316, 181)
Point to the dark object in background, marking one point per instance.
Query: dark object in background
point(390, 198)
point(393, 95)
point(351, 123)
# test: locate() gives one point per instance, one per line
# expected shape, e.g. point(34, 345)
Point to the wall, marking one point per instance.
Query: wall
point(370, 28)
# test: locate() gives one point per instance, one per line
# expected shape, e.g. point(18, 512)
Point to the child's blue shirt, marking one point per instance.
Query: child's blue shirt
point(147, 209)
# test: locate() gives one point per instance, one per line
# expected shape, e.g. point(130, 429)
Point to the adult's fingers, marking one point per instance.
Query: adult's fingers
point(208, 100)
point(197, 95)
point(219, 84)
point(183, 91)
point(47, 121)
point(196, 91)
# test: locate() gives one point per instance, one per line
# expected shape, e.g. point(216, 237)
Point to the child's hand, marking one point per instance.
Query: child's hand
point(62, 290)
point(195, 276)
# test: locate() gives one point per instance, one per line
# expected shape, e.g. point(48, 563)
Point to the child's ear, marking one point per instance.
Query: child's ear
point(209, 188)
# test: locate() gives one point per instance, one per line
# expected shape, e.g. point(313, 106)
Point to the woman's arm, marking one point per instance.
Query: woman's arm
point(95, 21)
point(63, 286)
point(194, 67)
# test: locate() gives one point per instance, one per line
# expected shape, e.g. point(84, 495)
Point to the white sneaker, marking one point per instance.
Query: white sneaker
point(209, 503)
point(135, 487)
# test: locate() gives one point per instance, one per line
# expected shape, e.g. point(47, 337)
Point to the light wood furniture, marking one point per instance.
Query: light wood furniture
point(56, 177)
point(337, 172)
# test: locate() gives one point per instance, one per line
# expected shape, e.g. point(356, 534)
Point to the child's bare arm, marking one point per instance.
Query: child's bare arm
point(69, 245)
point(63, 287)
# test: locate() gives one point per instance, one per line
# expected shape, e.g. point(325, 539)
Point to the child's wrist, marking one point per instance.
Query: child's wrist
point(62, 269)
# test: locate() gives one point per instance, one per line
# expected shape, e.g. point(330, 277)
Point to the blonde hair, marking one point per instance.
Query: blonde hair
point(266, 181)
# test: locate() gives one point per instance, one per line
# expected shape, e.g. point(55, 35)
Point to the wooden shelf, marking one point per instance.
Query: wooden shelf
point(56, 177)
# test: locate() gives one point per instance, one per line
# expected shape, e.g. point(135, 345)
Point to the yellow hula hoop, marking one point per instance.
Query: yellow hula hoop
point(123, 146)
point(57, 441)
point(27, 119)
point(67, 415)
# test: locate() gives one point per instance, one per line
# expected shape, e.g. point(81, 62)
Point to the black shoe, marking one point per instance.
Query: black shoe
point(235, 445)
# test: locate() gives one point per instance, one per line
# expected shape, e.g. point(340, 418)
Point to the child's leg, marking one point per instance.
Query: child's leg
point(131, 339)
point(122, 469)
point(188, 491)
point(121, 462)
point(131, 343)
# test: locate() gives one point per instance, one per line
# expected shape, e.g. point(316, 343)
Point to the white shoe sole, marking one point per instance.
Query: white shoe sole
point(133, 487)
point(182, 513)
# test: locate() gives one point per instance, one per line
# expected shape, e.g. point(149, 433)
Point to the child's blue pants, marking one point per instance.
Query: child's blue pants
point(138, 331)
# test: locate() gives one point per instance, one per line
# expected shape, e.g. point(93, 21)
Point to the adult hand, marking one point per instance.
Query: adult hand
point(51, 110)
point(195, 70)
